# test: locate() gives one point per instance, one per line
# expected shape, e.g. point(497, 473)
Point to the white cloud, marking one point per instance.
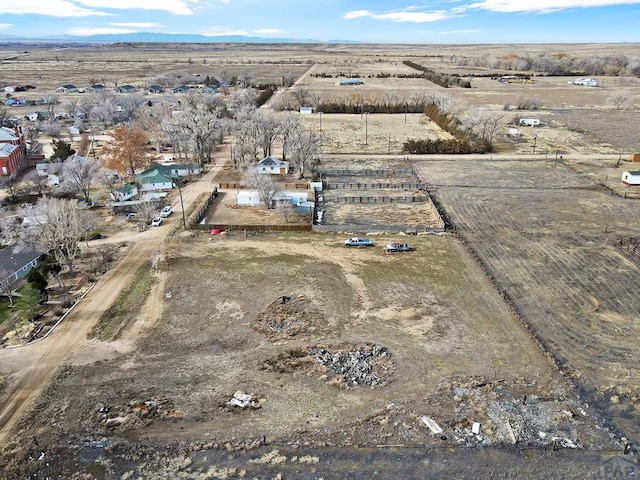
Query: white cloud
point(544, 6)
point(269, 31)
point(406, 15)
point(52, 8)
point(357, 14)
point(177, 7)
point(85, 8)
point(88, 31)
point(6, 25)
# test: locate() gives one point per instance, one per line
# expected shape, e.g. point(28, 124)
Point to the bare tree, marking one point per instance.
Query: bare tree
point(70, 108)
point(289, 79)
point(301, 96)
point(32, 133)
point(111, 181)
point(286, 209)
point(305, 147)
point(267, 128)
point(147, 210)
point(244, 153)
point(36, 182)
point(264, 184)
point(245, 79)
point(80, 175)
point(49, 102)
point(243, 98)
point(288, 127)
point(58, 226)
point(101, 108)
point(201, 125)
point(11, 186)
point(482, 122)
point(6, 283)
point(620, 99)
point(226, 77)
point(85, 144)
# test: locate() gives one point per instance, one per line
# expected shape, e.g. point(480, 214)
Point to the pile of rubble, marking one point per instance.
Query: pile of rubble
point(356, 367)
point(489, 412)
point(289, 316)
point(138, 413)
point(349, 365)
point(243, 401)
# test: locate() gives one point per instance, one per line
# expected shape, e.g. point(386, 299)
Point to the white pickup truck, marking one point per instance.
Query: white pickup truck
point(358, 242)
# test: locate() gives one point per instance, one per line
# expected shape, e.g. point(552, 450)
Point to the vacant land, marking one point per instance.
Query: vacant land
point(440, 340)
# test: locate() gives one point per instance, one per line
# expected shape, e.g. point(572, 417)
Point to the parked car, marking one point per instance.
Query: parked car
point(166, 211)
point(397, 247)
point(156, 222)
point(358, 242)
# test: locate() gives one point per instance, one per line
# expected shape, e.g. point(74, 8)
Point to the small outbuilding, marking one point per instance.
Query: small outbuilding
point(631, 178)
point(349, 81)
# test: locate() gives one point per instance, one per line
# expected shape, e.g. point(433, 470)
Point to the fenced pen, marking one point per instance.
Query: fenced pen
point(380, 199)
point(370, 172)
point(374, 186)
point(362, 201)
point(630, 244)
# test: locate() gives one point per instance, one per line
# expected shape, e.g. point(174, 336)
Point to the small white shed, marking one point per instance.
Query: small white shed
point(631, 178)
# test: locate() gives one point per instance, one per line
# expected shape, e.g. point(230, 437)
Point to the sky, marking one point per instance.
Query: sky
point(369, 21)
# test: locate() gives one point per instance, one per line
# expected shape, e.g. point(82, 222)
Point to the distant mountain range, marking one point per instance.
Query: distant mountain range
point(150, 37)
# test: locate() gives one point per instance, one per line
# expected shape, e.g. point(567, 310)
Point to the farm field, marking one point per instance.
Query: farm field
point(549, 239)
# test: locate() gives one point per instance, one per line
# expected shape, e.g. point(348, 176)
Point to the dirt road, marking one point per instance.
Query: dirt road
point(29, 368)
point(273, 100)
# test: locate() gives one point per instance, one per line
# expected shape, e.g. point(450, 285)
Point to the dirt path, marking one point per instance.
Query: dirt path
point(29, 368)
point(269, 103)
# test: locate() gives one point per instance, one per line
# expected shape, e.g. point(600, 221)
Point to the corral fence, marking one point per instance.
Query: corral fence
point(630, 244)
point(239, 186)
point(370, 228)
point(380, 199)
point(375, 186)
point(386, 172)
point(222, 227)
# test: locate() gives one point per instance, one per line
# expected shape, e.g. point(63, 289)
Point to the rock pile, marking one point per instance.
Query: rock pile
point(356, 367)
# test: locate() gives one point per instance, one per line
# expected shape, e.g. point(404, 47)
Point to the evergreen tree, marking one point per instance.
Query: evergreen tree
point(28, 303)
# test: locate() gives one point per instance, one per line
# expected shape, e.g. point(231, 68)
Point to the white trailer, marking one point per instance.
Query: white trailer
point(529, 122)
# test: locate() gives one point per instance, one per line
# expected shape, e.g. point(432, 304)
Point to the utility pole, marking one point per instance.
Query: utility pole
point(184, 220)
point(366, 128)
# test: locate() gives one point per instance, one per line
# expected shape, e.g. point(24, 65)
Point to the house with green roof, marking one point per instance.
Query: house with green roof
point(163, 176)
point(155, 179)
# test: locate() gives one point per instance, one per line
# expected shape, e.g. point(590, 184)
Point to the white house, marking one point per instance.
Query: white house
point(251, 198)
point(273, 166)
point(631, 178)
point(126, 192)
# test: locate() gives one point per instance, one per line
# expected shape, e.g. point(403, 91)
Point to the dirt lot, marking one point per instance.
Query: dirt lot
point(429, 333)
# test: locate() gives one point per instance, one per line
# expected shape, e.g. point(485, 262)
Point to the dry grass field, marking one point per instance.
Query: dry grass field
point(515, 331)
